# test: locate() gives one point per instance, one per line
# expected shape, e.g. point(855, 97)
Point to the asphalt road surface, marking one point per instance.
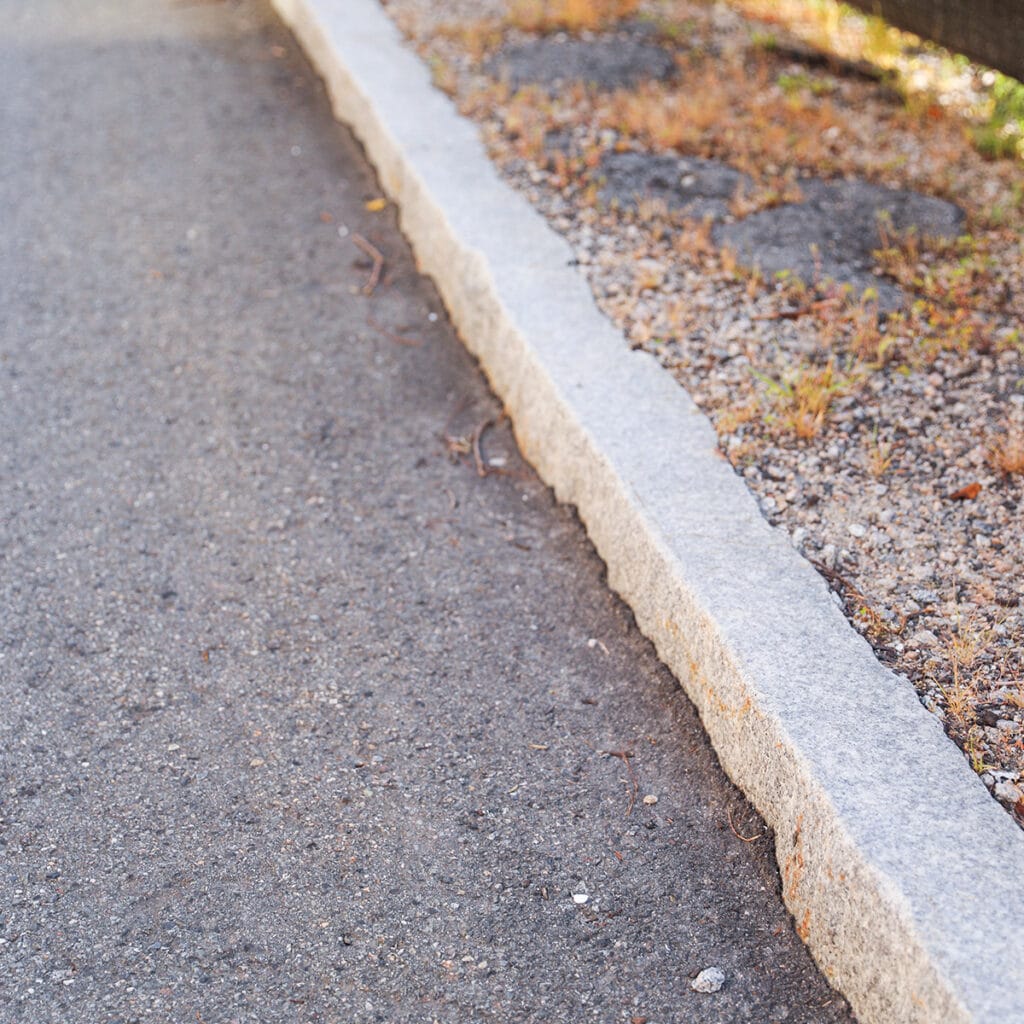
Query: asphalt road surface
point(304, 719)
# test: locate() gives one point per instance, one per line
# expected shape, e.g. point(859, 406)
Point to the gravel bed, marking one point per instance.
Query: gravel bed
point(883, 430)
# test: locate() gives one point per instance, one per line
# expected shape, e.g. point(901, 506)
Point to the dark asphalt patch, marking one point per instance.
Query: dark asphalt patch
point(688, 186)
point(613, 62)
point(834, 232)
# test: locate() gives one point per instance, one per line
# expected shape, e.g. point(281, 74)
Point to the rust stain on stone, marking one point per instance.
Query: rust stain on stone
point(793, 867)
point(700, 679)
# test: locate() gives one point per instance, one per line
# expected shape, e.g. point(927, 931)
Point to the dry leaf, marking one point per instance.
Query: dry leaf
point(968, 493)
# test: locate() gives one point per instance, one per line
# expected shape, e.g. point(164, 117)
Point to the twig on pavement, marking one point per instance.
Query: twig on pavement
point(742, 839)
point(378, 261)
point(391, 336)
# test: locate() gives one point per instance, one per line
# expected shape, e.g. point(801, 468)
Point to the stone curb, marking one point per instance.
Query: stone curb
point(903, 875)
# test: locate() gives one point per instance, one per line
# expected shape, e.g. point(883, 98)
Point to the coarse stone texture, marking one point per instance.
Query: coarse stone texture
point(605, 62)
point(882, 876)
point(690, 186)
point(304, 720)
point(834, 232)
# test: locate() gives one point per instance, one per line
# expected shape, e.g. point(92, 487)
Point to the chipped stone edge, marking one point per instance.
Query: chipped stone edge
point(901, 872)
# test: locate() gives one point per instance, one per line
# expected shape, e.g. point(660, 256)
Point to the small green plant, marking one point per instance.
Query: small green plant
point(1011, 339)
point(804, 395)
point(794, 84)
point(974, 752)
point(880, 453)
point(1001, 134)
point(883, 44)
point(668, 28)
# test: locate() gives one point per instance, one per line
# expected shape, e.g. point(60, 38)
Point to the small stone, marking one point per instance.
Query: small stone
point(257, 762)
point(579, 898)
point(1008, 792)
point(650, 799)
point(857, 529)
point(711, 979)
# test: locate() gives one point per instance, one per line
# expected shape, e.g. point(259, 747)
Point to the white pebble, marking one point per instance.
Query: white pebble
point(1008, 792)
point(711, 979)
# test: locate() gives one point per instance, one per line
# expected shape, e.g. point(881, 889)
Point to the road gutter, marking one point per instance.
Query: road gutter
point(901, 872)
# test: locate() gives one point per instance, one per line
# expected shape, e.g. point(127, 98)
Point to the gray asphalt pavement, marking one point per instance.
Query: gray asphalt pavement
point(304, 719)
